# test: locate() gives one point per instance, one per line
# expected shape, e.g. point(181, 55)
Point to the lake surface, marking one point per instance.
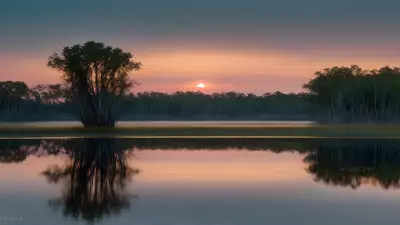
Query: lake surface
point(199, 181)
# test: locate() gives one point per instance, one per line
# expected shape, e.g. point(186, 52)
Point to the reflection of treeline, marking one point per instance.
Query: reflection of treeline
point(354, 162)
point(18, 150)
point(259, 144)
point(339, 162)
point(351, 94)
point(15, 151)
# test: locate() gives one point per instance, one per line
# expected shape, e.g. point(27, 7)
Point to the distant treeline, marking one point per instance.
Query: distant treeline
point(334, 95)
point(230, 105)
point(48, 102)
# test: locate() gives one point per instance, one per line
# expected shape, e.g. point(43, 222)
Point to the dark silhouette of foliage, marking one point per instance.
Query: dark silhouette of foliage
point(12, 94)
point(98, 94)
point(16, 151)
point(4, 99)
point(338, 162)
point(95, 179)
point(253, 144)
point(219, 106)
point(51, 93)
point(354, 162)
point(351, 94)
point(97, 76)
point(52, 102)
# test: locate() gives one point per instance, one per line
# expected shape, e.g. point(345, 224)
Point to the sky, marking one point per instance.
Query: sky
point(251, 46)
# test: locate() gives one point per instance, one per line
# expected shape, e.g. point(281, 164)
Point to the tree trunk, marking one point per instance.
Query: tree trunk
point(97, 111)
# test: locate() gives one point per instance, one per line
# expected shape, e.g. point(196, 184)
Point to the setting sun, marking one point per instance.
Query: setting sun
point(201, 85)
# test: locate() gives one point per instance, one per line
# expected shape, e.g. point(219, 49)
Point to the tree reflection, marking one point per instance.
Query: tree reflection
point(95, 179)
point(97, 172)
point(356, 162)
point(16, 151)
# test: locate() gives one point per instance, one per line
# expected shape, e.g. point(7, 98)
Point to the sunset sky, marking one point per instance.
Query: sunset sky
point(241, 45)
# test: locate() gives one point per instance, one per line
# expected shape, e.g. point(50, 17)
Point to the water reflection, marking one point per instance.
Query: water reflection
point(353, 163)
point(335, 162)
point(94, 179)
point(16, 151)
point(102, 161)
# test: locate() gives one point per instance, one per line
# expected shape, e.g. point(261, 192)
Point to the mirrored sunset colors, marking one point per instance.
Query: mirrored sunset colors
point(227, 186)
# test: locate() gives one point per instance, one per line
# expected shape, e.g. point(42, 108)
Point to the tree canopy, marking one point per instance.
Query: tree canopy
point(351, 94)
point(96, 75)
point(51, 93)
point(12, 93)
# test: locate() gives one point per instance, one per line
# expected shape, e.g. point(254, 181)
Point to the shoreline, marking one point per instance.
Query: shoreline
point(206, 131)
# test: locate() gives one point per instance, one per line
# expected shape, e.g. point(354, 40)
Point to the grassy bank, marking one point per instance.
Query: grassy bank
point(209, 130)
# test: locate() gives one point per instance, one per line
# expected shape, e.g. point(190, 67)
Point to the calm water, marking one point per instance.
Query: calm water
point(199, 182)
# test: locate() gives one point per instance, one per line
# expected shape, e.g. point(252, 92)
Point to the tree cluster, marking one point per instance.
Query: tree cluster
point(53, 102)
point(96, 77)
point(96, 89)
point(230, 105)
point(352, 94)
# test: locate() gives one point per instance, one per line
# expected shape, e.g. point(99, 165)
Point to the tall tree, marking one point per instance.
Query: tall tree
point(97, 77)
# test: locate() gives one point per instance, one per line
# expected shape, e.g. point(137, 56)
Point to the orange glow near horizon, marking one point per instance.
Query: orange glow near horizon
point(218, 166)
point(204, 168)
point(226, 69)
point(199, 170)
